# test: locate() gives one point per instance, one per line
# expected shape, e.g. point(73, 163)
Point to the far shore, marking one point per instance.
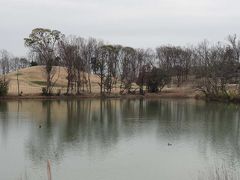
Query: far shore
point(160, 95)
point(178, 95)
point(31, 82)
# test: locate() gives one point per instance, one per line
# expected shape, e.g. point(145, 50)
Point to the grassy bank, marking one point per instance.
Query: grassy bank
point(152, 95)
point(31, 81)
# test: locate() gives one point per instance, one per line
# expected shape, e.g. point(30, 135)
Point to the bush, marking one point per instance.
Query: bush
point(156, 80)
point(33, 63)
point(59, 92)
point(3, 87)
point(45, 92)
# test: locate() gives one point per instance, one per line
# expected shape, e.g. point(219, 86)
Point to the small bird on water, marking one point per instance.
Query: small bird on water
point(169, 144)
point(40, 126)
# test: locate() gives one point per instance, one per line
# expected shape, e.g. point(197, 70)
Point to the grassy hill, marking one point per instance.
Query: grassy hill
point(32, 80)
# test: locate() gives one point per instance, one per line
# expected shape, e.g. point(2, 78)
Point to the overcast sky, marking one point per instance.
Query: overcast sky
point(137, 23)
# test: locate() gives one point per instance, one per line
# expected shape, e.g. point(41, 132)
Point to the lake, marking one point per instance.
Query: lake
point(118, 139)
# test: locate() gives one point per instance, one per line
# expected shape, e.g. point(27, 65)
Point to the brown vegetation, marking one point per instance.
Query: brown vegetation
point(31, 82)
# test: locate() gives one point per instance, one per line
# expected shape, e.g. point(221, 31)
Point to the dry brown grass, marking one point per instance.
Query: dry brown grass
point(32, 80)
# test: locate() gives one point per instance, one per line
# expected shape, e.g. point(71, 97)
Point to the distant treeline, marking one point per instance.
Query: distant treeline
point(9, 63)
point(213, 69)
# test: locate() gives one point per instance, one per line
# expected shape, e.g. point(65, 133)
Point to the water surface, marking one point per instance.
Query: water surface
point(117, 139)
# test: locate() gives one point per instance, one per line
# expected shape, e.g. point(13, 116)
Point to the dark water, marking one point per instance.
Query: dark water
point(117, 139)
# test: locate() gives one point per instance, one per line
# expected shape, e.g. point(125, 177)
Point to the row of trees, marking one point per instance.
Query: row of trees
point(211, 68)
point(217, 68)
point(9, 63)
point(115, 65)
point(214, 69)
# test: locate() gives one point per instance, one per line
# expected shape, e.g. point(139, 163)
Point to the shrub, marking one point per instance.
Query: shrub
point(59, 92)
point(156, 80)
point(33, 63)
point(3, 87)
point(45, 92)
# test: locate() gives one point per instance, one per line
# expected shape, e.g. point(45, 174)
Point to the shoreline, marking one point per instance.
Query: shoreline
point(176, 94)
point(98, 96)
point(117, 96)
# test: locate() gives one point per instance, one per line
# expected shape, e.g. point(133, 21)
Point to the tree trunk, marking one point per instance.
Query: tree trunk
point(18, 83)
point(78, 81)
point(89, 82)
point(48, 83)
point(68, 85)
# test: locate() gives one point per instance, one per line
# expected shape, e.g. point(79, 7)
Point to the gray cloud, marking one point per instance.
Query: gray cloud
point(138, 23)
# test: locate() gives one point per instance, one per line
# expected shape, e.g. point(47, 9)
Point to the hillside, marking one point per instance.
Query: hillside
point(32, 80)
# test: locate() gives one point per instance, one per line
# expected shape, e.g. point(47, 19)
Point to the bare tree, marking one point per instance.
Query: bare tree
point(15, 67)
point(176, 60)
point(99, 65)
point(88, 53)
point(128, 68)
point(43, 42)
point(217, 67)
point(67, 53)
point(145, 60)
point(112, 64)
point(5, 61)
point(79, 64)
point(23, 62)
